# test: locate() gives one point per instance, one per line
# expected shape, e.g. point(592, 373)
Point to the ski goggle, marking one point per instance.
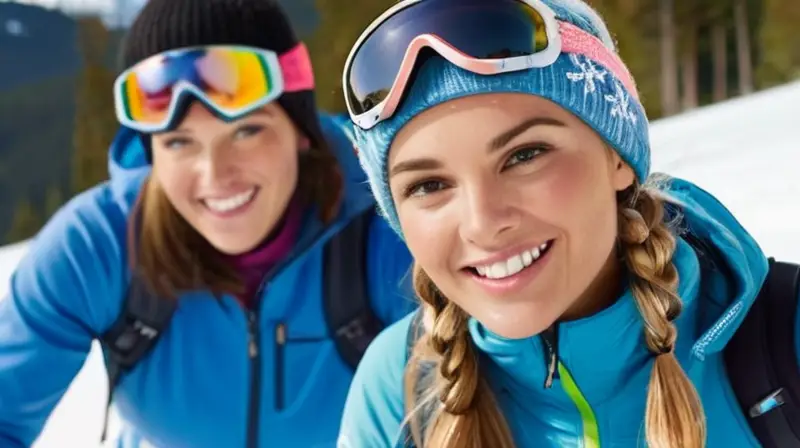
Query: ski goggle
point(486, 37)
point(231, 81)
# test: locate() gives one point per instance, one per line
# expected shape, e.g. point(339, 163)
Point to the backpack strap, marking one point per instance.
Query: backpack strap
point(762, 364)
point(135, 332)
point(348, 310)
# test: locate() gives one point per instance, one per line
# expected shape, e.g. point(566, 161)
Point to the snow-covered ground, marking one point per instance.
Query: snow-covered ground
point(77, 421)
point(745, 151)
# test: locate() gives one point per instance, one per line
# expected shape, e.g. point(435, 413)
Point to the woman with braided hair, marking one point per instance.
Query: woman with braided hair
point(569, 297)
point(233, 266)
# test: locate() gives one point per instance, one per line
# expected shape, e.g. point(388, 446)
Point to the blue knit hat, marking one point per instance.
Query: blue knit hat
point(587, 79)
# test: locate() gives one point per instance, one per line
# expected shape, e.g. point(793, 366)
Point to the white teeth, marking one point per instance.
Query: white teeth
point(527, 258)
point(497, 270)
point(535, 253)
point(230, 203)
point(513, 265)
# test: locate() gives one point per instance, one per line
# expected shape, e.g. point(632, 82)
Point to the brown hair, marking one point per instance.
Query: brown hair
point(466, 414)
point(171, 256)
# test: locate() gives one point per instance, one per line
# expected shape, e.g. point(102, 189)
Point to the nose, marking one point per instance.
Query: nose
point(488, 212)
point(217, 166)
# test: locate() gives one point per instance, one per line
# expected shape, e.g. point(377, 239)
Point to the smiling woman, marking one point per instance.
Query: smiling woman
point(230, 181)
point(569, 298)
point(216, 265)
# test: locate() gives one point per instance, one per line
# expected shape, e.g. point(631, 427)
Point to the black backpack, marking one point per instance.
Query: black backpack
point(761, 360)
point(348, 312)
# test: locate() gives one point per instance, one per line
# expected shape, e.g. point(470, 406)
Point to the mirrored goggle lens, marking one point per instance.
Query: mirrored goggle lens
point(230, 79)
point(482, 29)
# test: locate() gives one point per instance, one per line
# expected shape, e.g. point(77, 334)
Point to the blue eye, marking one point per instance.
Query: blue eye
point(424, 188)
point(524, 155)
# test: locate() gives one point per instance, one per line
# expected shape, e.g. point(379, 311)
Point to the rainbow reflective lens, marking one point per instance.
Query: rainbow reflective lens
point(232, 81)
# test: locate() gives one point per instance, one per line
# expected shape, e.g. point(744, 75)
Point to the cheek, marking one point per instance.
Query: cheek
point(427, 237)
point(175, 181)
point(559, 197)
point(577, 200)
point(586, 204)
point(271, 160)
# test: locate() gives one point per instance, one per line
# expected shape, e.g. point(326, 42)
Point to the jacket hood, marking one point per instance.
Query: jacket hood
point(733, 265)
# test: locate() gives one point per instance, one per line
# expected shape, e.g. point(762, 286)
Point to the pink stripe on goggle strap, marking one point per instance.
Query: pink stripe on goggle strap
point(297, 71)
point(578, 41)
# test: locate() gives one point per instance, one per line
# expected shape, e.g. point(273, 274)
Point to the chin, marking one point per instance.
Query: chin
point(518, 324)
point(518, 332)
point(232, 247)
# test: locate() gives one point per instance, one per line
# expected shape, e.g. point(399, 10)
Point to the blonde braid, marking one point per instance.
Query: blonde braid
point(674, 415)
point(468, 416)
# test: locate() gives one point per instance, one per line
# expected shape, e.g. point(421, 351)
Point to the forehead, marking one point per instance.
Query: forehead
point(474, 120)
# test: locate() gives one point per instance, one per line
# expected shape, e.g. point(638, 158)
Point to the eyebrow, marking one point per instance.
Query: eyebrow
point(503, 139)
point(415, 165)
point(258, 112)
point(427, 164)
point(261, 111)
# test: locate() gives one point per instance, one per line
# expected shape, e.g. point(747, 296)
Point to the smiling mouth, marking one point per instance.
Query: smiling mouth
point(231, 203)
point(514, 264)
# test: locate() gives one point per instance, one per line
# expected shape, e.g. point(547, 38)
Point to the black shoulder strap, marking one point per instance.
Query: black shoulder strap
point(137, 329)
point(346, 302)
point(762, 362)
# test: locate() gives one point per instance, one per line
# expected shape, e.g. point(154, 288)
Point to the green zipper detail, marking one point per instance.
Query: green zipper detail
point(591, 432)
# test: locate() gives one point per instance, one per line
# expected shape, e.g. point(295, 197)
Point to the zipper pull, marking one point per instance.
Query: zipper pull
point(280, 334)
point(550, 339)
point(252, 345)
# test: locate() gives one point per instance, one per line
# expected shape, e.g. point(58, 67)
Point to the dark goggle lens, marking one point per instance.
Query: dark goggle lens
point(482, 29)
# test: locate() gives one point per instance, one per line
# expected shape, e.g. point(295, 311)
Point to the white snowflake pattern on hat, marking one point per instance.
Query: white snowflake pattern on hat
point(621, 104)
point(589, 73)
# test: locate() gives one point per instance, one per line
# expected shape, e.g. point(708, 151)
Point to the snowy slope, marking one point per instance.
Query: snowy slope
point(78, 419)
point(745, 151)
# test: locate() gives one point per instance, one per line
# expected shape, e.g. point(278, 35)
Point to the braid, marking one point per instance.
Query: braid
point(459, 365)
point(674, 415)
point(467, 415)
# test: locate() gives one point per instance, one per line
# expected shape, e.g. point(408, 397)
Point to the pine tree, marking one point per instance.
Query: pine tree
point(338, 30)
point(53, 200)
point(25, 223)
point(777, 43)
point(95, 121)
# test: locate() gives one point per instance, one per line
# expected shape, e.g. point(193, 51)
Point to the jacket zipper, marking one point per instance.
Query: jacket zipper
point(281, 339)
point(550, 340)
point(557, 370)
point(280, 343)
point(254, 353)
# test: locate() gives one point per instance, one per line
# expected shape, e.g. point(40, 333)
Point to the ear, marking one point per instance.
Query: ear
point(622, 175)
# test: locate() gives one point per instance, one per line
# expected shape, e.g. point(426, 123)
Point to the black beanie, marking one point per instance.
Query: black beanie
point(164, 25)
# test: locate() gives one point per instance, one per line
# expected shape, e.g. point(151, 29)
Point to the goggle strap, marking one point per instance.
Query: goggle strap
point(577, 41)
point(296, 67)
